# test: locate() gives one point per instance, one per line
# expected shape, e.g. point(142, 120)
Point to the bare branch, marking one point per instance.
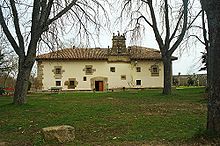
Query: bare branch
point(194, 19)
point(176, 28)
point(45, 12)
point(145, 20)
point(182, 34)
point(17, 25)
point(8, 34)
point(155, 28)
point(62, 12)
point(167, 23)
point(197, 39)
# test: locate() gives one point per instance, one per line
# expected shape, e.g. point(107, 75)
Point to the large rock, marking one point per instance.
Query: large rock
point(61, 134)
point(4, 144)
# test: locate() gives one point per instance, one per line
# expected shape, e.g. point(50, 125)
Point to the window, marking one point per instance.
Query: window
point(84, 79)
point(138, 82)
point(58, 83)
point(154, 70)
point(72, 83)
point(112, 69)
point(58, 71)
point(89, 70)
point(123, 77)
point(138, 69)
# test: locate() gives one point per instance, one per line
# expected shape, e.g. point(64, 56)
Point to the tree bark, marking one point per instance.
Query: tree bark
point(212, 8)
point(22, 82)
point(167, 75)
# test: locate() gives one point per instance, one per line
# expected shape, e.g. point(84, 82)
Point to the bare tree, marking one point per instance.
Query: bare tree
point(202, 38)
point(169, 24)
point(8, 65)
point(212, 9)
point(26, 23)
point(3, 68)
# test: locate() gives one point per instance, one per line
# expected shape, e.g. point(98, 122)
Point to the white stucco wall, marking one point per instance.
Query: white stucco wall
point(74, 69)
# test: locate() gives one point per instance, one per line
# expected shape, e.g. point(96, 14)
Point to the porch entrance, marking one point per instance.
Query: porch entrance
point(99, 86)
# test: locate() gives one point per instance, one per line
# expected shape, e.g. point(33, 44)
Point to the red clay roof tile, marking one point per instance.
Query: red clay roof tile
point(135, 53)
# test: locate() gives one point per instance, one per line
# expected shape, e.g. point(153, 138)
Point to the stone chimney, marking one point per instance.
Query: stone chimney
point(118, 44)
point(118, 52)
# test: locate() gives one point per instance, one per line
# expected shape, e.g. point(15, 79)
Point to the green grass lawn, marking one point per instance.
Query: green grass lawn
point(114, 118)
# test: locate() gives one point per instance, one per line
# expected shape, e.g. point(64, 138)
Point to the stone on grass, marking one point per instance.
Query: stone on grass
point(4, 144)
point(61, 134)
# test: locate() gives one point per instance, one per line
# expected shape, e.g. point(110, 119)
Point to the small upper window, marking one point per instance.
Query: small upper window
point(89, 70)
point(112, 69)
point(154, 70)
point(84, 79)
point(138, 82)
point(58, 71)
point(123, 77)
point(58, 83)
point(138, 69)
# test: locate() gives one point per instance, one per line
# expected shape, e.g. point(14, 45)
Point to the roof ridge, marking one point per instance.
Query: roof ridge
point(137, 52)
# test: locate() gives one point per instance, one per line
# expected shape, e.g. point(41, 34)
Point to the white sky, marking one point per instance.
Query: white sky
point(189, 60)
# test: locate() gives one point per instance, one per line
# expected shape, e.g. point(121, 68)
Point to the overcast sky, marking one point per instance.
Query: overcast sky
point(189, 59)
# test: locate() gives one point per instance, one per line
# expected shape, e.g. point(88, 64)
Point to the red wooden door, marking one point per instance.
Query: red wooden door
point(101, 88)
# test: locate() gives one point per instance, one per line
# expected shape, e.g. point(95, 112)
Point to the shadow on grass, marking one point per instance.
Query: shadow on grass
point(205, 137)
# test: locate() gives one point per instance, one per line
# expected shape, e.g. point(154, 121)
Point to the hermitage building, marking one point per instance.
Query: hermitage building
point(101, 69)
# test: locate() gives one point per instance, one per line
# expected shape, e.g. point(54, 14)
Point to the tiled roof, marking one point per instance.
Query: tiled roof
point(135, 52)
point(76, 54)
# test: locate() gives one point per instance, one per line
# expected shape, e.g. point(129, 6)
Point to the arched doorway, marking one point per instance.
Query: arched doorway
point(99, 83)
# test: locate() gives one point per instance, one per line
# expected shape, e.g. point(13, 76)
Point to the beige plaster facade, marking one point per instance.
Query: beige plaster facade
point(129, 74)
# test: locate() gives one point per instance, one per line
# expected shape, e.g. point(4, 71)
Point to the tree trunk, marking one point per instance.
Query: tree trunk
point(5, 79)
point(212, 8)
point(167, 75)
point(22, 82)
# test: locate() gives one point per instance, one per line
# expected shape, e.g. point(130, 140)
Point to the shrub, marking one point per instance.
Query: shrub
point(2, 91)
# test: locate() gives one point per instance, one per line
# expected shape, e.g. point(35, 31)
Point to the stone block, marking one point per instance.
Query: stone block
point(61, 134)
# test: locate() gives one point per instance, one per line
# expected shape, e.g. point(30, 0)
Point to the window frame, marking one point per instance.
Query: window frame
point(155, 71)
point(137, 82)
point(123, 77)
point(56, 83)
point(89, 70)
point(138, 69)
point(112, 69)
point(71, 82)
point(58, 71)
